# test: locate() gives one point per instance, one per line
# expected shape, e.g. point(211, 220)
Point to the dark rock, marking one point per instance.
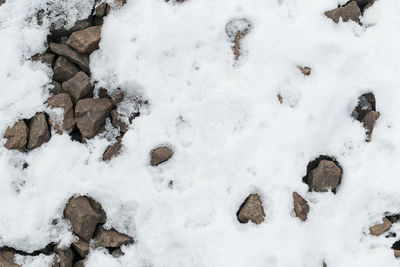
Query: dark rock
point(85, 41)
point(251, 210)
point(379, 229)
point(90, 115)
point(103, 93)
point(325, 176)
point(57, 89)
point(110, 238)
point(46, 58)
point(63, 101)
point(98, 21)
point(2, 2)
point(64, 50)
point(350, 11)
point(100, 10)
point(78, 86)
point(369, 122)
point(305, 70)
point(160, 155)
point(82, 247)
point(17, 136)
point(7, 259)
point(112, 151)
point(64, 70)
point(80, 263)
point(118, 122)
point(63, 31)
point(366, 6)
point(83, 217)
point(366, 103)
point(117, 98)
point(364, 2)
point(39, 132)
point(301, 207)
point(117, 253)
point(66, 257)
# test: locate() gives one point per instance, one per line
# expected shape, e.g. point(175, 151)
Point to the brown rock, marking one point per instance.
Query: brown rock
point(66, 257)
point(7, 259)
point(368, 5)
point(118, 122)
point(39, 132)
point(64, 70)
point(112, 151)
point(117, 98)
point(63, 31)
point(396, 253)
point(103, 93)
point(17, 136)
point(80, 263)
point(369, 122)
point(63, 101)
point(57, 89)
point(324, 177)
point(78, 86)
point(366, 103)
point(64, 50)
point(90, 115)
point(110, 238)
point(100, 9)
point(379, 229)
point(301, 207)
point(47, 58)
point(85, 41)
point(2, 2)
point(251, 210)
point(82, 247)
point(305, 70)
point(160, 155)
point(83, 217)
point(350, 11)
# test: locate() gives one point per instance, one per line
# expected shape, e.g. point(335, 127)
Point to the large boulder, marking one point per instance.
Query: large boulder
point(17, 136)
point(64, 50)
point(351, 11)
point(160, 155)
point(85, 41)
point(326, 176)
point(39, 132)
point(251, 210)
point(64, 70)
point(63, 101)
point(110, 238)
point(78, 86)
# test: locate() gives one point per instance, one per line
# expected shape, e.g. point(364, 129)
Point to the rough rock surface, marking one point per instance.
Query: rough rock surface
point(78, 86)
point(112, 150)
point(63, 31)
point(57, 89)
point(160, 155)
point(7, 259)
point(80, 263)
point(325, 176)
point(82, 247)
point(301, 207)
point(66, 257)
point(90, 115)
point(369, 122)
point(39, 132)
point(305, 70)
point(17, 136)
point(63, 100)
point(118, 122)
point(64, 70)
point(350, 11)
point(64, 50)
point(47, 58)
point(381, 228)
point(85, 41)
point(117, 98)
point(110, 238)
point(251, 210)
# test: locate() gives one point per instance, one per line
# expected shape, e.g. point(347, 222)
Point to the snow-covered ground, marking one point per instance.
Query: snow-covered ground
point(230, 134)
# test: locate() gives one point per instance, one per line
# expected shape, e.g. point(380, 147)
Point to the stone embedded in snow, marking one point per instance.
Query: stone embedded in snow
point(117, 98)
point(63, 31)
point(57, 89)
point(81, 60)
point(85, 41)
point(100, 10)
point(397, 253)
point(66, 257)
point(368, 5)
point(17, 136)
point(47, 58)
point(112, 151)
point(350, 11)
point(90, 115)
point(364, 2)
point(80, 263)
point(7, 259)
point(64, 70)
point(326, 176)
point(366, 103)
point(78, 86)
point(83, 217)
point(305, 70)
point(301, 207)
point(39, 132)
point(82, 247)
point(117, 253)
point(118, 122)
point(369, 122)
point(381, 228)
point(160, 155)
point(251, 210)
point(63, 101)
point(110, 238)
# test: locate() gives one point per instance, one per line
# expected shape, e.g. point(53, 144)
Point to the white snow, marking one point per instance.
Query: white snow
point(230, 135)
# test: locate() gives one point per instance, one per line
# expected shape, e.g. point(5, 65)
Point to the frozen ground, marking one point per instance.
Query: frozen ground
point(230, 134)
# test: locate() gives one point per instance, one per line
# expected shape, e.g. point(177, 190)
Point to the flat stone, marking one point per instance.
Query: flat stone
point(64, 70)
point(90, 115)
point(350, 11)
point(381, 228)
point(63, 101)
point(64, 50)
point(369, 122)
point(17, 136)
point(251, 210)
point(305, 70)
point(301, 207)
point(7, 259)
point(110, 238)
point(39, 132)
point(118, 122)
point(57, 89)
point(82, 247)
point(85, 41)
point(78, 86)
point(2, 2)
point(325, 176)
point(112, 151)
point(66, 257)
point(160, 155)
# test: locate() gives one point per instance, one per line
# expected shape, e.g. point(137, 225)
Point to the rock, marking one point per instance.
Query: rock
point(110, 238)
point(2, 2)
point(83, 217)
point(39, 132)
point(379, 229)
point(64, 70)
point(63, 101)
point(397, 253)
point(66, 257)
point(251, 210)
point(117, 253)
point(103, 93)
point(17, 136)
point(57, 89)
point(90, 115)
point(47, 58)
point(368, 5)
point(112, 151)
point(57, 32)
point(324, 177)
point(7, 259)
point(305, 70)
point(369, 122)
point(366, 103)
point(85, 41)
point(100, 10)
point(160, 155)
point(80, 263)
point(364, 2)
point(117, 98)
point(301, 207)
point(78, 86)
point(64, 50)
point(118, 122)
point(280, 98)
point(82, 247)
point(350, 11)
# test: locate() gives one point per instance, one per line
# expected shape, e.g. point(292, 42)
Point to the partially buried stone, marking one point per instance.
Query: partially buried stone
point(63, 101)
point(118, 122)
point(117, 98)
point(7, 259)
point(57, 89)
point(39, 132)
point(78, 86)
point(80, 263)
point(369, 122)
point(66, 257)
point(160, 155)
point(62, 31)
point(381, 228)
point(350, 11)
point(251, 210)
point(64, 50)
point(325, 176)
point(82, 247)
point(85, 41)
point(366, 103)
point(47, 58)
point(305, 70)
point(64, 70)
point(301, 206)
point(112, 151)
point(110, 238)
point(17, 136)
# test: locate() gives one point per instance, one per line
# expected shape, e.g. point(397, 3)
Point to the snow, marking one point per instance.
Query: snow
point(230, 134)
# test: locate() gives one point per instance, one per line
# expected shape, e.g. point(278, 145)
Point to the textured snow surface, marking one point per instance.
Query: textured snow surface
point(230, 134)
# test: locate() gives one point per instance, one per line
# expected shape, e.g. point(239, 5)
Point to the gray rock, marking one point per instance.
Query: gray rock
point(160, 155)
point(325, 176)
point(63, 101)
point(100, 9)
point(110, 238)
point(2, 2)
point(366, 103)
point(17, 136)
point(85, 41)
point(78, 86)
point(57, 89)
point(39, 132)
point(64, 70)
point(251, 210)
point(305, 70)
point(350, 11)
point(64, 50)
point(301, 207)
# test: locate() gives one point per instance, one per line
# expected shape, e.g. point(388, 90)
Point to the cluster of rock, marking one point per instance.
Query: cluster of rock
point(352, 10)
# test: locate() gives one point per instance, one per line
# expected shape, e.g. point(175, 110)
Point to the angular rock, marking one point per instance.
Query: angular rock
point(369, 122)
point(17, 136)
point(117, 98)
point(80, 263)
point(64, 70)
point(301, 207)
point(397, 253)
point(100, 9)
point(112, 151)
point(57, 32)
point(47, 58)
point(57, 89)
point(7, 259)
point(83, 217)
point(350, 11)
point(90, 115)
point(305, 70)
point(366, 103)
point(64, 50)
point(39, 132)
point(160, 155)
point(325, 176)
point(98, 209)
point(110, 238)
point(85, 41)
point(381, 228)
point(78, 86)
point(63, 101)
point(66, 257)
point(118, 122)
point(251, 210)
point(82, 247)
